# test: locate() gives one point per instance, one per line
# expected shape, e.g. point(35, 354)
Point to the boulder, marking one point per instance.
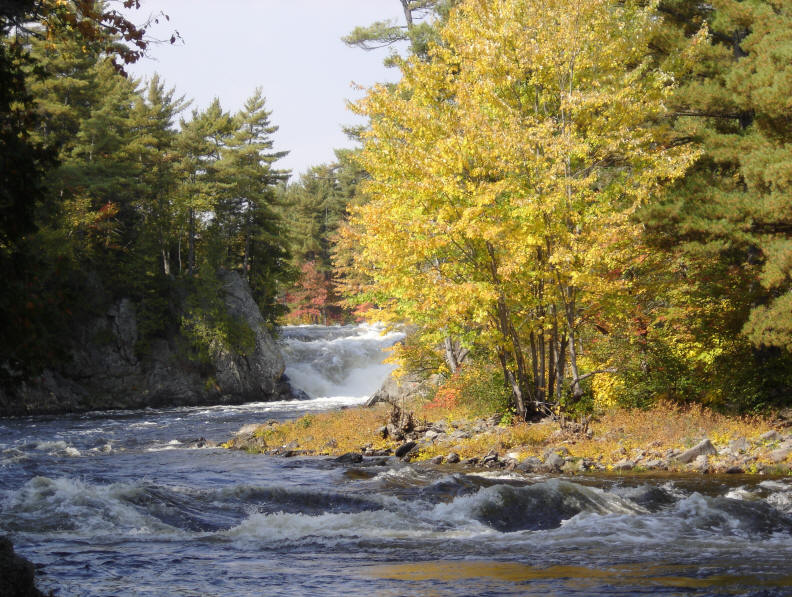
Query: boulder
point(460, 434)
point(781, 453)
point(656, 464)
point(702, 448)
point(560, 450)
point(492, 456)
point(553, 462)
point(404, 449)
point(256, 374)
point(17, 575)
point(739, 446)
point(394, 390)
point(393, 431)
point(572, 467)
point(770, 436)
point(436, 460)
point(452, 458)
point(624, 465)
point(701, 463)
point(530, 465)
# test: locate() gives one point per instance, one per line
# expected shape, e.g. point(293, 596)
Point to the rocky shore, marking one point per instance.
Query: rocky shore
point(547, 447)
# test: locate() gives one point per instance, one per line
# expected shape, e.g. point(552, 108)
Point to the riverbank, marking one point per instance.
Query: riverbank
point(666, 437)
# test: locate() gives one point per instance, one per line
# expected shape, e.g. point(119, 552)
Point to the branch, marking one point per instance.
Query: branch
point(703, 114)
point(591, 373)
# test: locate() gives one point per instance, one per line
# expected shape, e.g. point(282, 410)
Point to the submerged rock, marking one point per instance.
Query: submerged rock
point(349, 458)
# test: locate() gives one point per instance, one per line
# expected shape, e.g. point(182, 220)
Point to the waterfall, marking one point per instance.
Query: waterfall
point(337, 361)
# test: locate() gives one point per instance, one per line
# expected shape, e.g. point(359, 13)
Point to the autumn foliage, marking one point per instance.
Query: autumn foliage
point(308, 300)
point(505, 171)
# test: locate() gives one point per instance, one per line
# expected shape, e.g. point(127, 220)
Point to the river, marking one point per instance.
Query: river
point(126, 503)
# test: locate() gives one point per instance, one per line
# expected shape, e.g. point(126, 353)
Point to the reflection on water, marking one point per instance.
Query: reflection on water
point(574, 578)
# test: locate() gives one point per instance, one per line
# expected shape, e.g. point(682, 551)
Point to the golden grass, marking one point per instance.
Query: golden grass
point(336, 432)
point(667, 426)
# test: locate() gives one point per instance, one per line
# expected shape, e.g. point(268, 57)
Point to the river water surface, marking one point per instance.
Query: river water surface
point(125, 503)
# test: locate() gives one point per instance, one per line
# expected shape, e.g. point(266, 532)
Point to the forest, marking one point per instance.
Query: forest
point(573, 204)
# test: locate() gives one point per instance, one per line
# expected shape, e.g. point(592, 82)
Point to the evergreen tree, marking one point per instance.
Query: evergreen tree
point(253, 230)
point(727, 226)
point(194, 196)
point(154, 154)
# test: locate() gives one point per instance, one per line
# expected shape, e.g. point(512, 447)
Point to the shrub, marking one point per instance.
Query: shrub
point(477, 388)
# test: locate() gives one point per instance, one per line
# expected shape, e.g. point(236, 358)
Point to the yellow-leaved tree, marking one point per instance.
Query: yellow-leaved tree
point(504, 174)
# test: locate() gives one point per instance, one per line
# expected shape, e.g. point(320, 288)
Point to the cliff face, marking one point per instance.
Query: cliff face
point(106, 372)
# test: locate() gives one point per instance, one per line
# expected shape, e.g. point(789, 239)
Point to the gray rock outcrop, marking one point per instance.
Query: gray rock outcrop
point(107, 370)
point(253, 375)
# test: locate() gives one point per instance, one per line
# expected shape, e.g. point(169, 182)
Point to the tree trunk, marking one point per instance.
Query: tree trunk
point(561, 368)
point(165, 260)
point(541, 388)
point(450, 356)
point(191, 244)
point(511, 384)
point(553, 355)
point(407, 13)
point(577, 391)
point(520, 383)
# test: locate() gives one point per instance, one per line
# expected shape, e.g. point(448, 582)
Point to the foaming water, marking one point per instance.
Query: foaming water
point(135, 503)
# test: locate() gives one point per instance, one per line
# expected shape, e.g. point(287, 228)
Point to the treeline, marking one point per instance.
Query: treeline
point(119, 190)
point(317, 205)
point(589, 201)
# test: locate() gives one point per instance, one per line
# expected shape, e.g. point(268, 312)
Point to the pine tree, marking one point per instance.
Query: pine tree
point(422, 21)
point(194, 196)
point(726, 228)
point(153, 154)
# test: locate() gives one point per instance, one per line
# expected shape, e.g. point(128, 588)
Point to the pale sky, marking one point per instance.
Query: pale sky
point(292, 49)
